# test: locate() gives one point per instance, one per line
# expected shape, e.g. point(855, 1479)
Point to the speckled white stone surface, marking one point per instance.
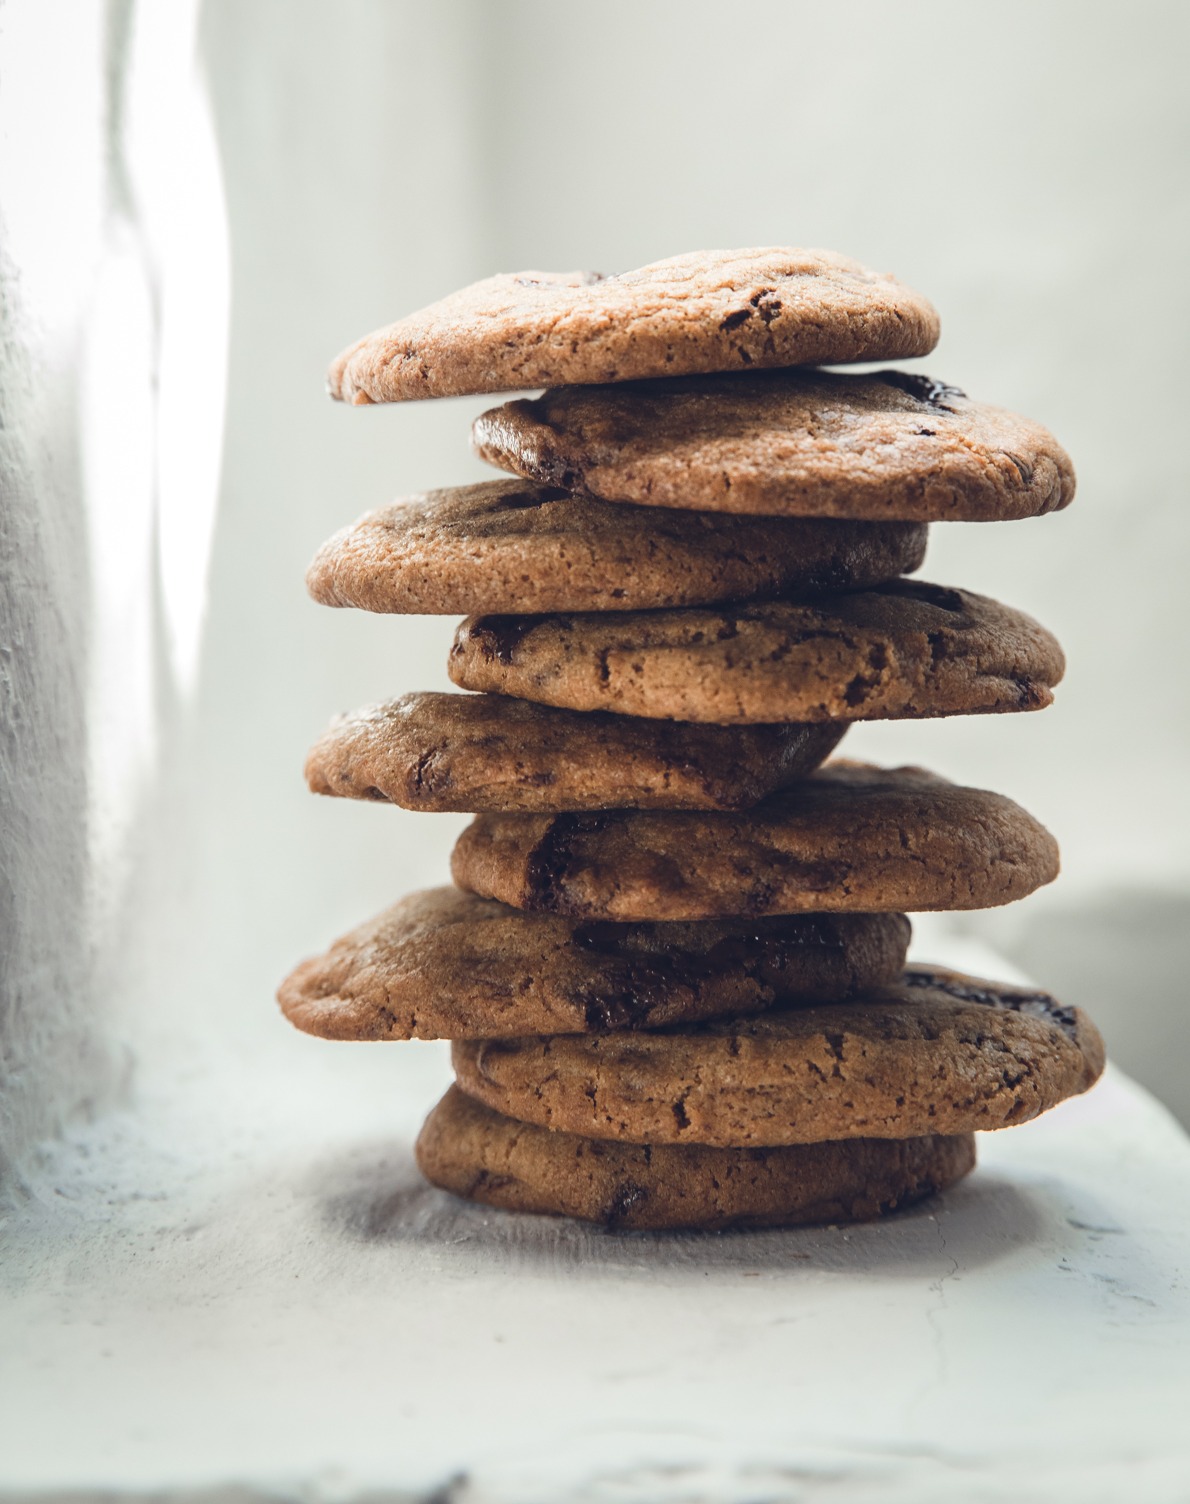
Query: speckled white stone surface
point(243, 1285)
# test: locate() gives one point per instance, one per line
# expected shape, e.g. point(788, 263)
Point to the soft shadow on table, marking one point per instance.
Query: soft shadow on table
point(377, 1196)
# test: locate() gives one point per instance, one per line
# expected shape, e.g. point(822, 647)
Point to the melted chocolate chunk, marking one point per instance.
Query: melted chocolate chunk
point(646, 971)
point(923, 388)
point(635, 986)
point(1038, 1004)
point(767, 304)
point(627, 1197)
point(548, 860)
point(608, 1009)
point(1032, 696)
point(604, 937)
point(498, 636)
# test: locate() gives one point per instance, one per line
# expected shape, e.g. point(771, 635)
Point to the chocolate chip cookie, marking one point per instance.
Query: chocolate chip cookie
point(447, 965)
point(507, 546)
point(474, 753)
point(466, 1148)
point(937, 1052)
point(704, 311)
point(786, 444)
point(849, 838)
point(905, 649)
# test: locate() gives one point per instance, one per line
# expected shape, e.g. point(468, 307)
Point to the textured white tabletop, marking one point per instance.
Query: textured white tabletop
point(275, 1302)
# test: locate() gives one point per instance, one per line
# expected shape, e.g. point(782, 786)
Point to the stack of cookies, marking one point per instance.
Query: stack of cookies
point(673, 961)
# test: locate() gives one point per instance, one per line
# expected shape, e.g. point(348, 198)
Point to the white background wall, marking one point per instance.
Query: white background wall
point(1021, 163)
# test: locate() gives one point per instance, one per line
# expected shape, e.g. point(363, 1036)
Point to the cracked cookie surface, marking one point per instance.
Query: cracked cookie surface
point(703, 311)
point(446, 965)
point(508, 546)
point(937, 1052)
point(849, 838)
point(905, 649)
point(474, 753)
point(786, 443)
point(466, 1148)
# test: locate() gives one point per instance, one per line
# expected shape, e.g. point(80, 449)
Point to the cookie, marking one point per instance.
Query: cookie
point(473, 753)
point(849, 838)
point(786, 444)
point(905, 649)
point(936, 1053)
point(705, 311)
point(447, 965)
point(466, 1148)
point(507, 546)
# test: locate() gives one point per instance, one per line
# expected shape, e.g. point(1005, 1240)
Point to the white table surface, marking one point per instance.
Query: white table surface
point(243, 1285)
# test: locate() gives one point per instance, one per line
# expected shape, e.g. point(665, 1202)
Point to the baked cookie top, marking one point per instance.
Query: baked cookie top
point(850, 837)
point(473, 753)
point(904, 649)
point(466, 1148)
point(446, 965)
point(704, 311)
point(936, 1052)
point(788, 444)
point(507, 546)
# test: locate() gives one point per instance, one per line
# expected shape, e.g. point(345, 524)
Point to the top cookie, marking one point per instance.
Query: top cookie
point(704, 311)
point(787, 444)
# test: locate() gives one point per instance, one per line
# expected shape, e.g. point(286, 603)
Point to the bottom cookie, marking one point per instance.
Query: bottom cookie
point(467, 1148)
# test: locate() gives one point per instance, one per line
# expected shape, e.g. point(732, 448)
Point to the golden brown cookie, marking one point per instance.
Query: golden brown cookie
point(937, 1052)
point(466, 1148)
point(786, 444)
point(447, 965)
point(473, 753)
point(704, 311)
point(905, 649)
point(507, 546)
point(849, 838)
